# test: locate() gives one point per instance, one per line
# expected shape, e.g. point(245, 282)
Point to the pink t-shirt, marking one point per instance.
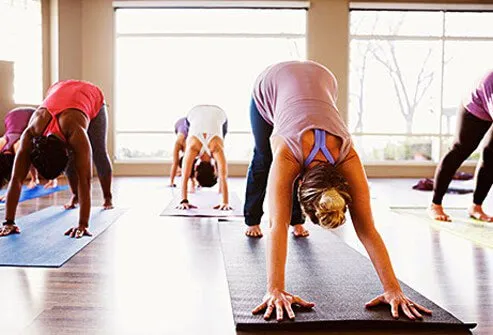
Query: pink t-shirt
point(480, 101)
point(296, 97)
point(71, 94)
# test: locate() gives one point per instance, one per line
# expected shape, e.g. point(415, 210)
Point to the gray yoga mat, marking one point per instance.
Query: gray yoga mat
point(205, 200)
point(42, 242)
point(399, 194)
point(322, 269)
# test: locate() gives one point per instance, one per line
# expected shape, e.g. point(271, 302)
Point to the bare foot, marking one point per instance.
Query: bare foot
point(476, 212)
point(300, 231)
point(51, 183)
point(72, 203)
point(436, 213)
point(32, 184)
point(254, 231)
point(108, 204)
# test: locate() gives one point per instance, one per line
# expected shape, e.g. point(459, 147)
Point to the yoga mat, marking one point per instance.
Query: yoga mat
point(205, 200)
point(36, 192)
point(322, 269)
point(462, 225)
point(42, 242)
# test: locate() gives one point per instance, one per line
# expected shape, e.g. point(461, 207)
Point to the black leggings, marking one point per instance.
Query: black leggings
point(470, 131)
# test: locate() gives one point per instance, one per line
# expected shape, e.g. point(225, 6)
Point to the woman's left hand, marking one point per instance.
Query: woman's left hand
point(397, 299)
point(78, 232)
point(224, 207)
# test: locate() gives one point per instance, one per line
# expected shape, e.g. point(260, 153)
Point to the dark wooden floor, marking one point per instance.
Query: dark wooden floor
point(159, 275)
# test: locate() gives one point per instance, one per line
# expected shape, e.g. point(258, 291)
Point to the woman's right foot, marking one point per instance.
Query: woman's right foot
point(436, 213)
point(254, 231)
point(476, 212)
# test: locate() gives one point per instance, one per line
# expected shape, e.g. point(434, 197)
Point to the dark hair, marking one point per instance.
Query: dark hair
point(324, 195)
point(49, 156)
point(205, 175)
point(6, 166)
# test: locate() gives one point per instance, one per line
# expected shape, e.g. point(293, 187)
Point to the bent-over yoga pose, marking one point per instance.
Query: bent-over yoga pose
point(16, 121)
point(67, 132)
point(300, 139)
point(205, 146)
point(474, 121)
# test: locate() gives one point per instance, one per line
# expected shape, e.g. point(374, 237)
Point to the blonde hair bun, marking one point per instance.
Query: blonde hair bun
point(331, 208)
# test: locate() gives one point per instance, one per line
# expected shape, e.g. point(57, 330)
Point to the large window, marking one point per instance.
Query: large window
point(168, 60)
point(409, 71)
point(20, 43)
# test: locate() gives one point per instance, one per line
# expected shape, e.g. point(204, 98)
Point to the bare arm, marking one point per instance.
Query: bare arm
point(79, 142)
point(362, 218)
point(22, 163)
point(222, 167)
point(283, 173)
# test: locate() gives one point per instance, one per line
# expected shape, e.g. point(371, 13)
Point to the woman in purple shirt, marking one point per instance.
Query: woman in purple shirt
point(473, 122)
point(16, 121)
point(301, 141)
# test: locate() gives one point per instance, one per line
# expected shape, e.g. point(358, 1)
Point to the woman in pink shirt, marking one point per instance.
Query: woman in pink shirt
point(16, 121)
point(300, 139)
point(473, 124)
point(67, 132)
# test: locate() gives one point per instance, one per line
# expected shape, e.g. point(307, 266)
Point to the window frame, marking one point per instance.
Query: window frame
point(443, 39)
point(283, 5)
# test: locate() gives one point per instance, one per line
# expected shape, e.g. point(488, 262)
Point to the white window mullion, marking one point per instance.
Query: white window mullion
point(213, 4)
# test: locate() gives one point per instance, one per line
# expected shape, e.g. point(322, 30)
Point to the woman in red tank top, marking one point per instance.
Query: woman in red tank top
point(66, 133)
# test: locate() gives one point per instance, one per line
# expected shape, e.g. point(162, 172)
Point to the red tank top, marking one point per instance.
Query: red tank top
point(71, 94)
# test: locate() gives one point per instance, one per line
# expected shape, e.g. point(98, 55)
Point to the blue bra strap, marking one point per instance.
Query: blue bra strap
point(319, 145)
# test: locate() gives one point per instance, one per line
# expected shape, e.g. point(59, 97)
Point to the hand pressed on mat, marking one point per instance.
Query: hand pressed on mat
point(280, 300)
point(223, 207)
point(78, 232)
point(397, 299)
point(185, 205)
point(9, 229)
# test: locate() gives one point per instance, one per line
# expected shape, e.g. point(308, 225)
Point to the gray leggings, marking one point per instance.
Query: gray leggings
point(97, 133)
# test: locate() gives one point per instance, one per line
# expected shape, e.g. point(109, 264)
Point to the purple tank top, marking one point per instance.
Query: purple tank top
point(181, 126)
point(16, 121)
point(480, 102)
point(296, 97)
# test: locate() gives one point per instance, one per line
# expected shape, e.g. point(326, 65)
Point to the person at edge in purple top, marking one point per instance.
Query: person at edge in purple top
point(16, 121)
point(301, 141)
point(474, 121)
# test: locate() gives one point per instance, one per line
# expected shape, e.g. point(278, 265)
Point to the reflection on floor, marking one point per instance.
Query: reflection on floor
point(165, 275)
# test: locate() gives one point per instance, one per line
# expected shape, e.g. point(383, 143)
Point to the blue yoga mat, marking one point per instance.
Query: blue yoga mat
point(42, 242)
point(36, 192)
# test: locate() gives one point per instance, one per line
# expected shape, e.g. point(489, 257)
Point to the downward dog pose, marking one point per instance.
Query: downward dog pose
point(16, 121)
point(67, 131)
point(473, 122)
point(206, 143)
point(299, 135)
